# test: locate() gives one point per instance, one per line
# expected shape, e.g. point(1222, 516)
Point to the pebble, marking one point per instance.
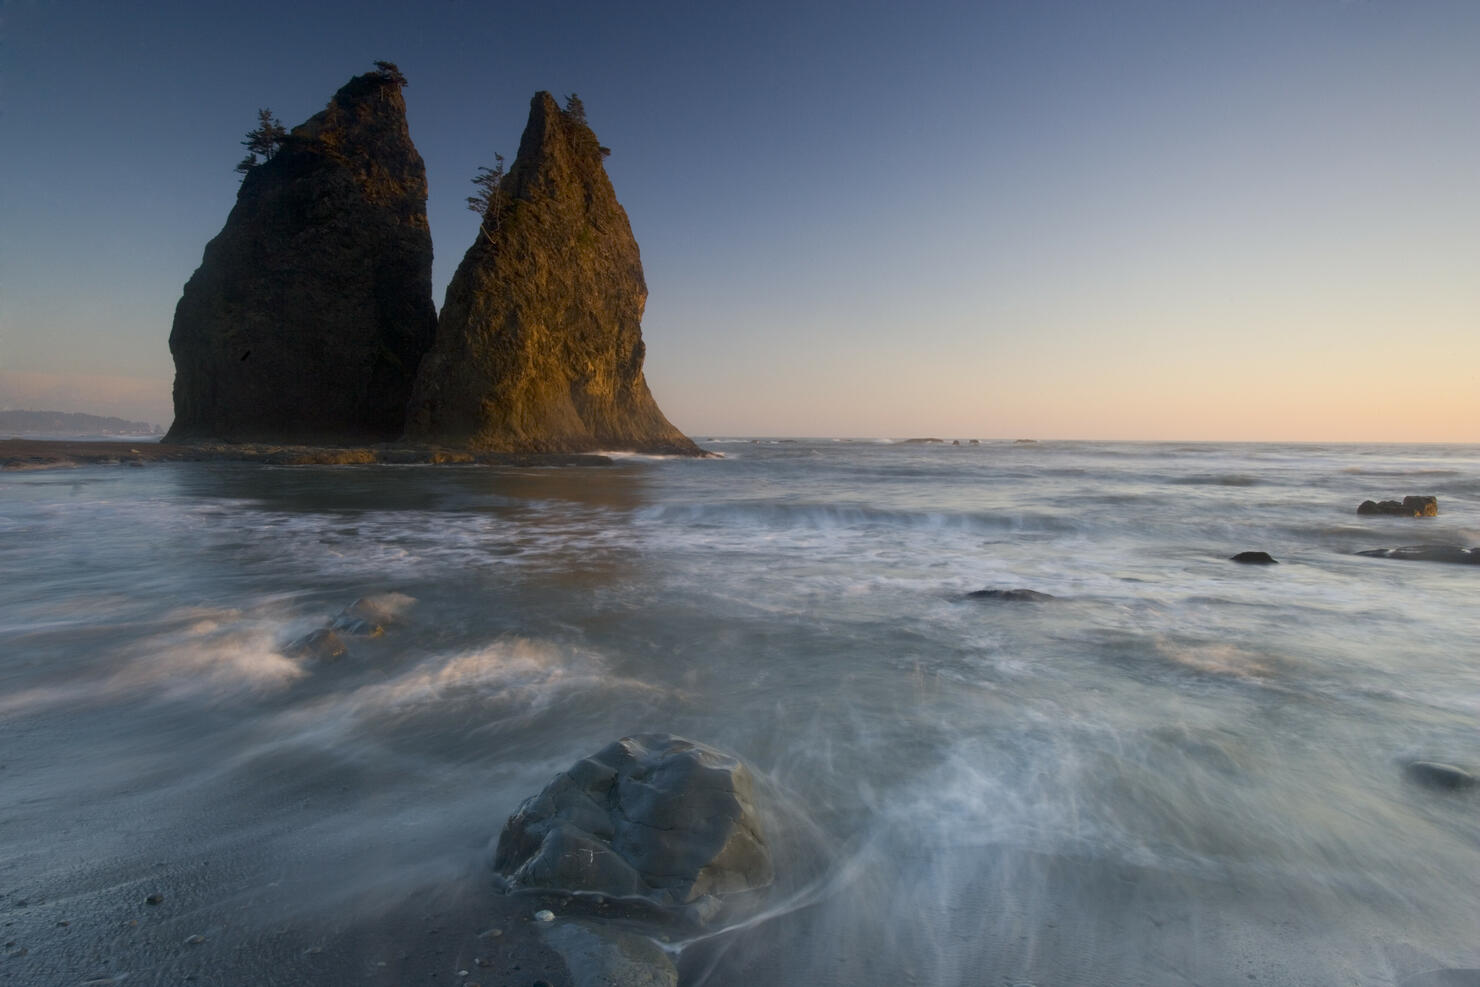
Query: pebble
point(490, 934)
point(154, 899)
point(195, 940)
point(544, 915)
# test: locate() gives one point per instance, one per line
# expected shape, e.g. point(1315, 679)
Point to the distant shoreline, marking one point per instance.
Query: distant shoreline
point(42, 454)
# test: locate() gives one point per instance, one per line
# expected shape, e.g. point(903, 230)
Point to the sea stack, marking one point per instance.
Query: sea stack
point(312, 308)
point(539, 346)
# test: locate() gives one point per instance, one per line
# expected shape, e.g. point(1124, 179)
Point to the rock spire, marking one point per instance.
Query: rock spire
point(312, 308)
point(539, 347)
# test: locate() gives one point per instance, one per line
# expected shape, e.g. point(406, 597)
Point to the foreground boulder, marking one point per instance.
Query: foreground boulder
point(650, 817)
point(539, 347)
point(1427, 553)
point(313, 306)
point(1408, 507)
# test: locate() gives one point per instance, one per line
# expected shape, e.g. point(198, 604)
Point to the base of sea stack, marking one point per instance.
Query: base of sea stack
point(31, 454)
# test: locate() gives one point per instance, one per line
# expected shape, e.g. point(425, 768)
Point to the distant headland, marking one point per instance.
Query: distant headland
point(70, 424)
point(310, 321)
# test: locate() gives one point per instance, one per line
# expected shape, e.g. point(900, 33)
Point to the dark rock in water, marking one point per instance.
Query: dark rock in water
point(539, 347)
point(320, 645)
point(312, 308)
point(1408, 507)
point(955, 442)
point(975, 442)
point(1427, 553)
point(1009, 595)
point(1025, 442)
point(651, 817)
point(1434, 774)
point(1254, 558)
point(924, 442)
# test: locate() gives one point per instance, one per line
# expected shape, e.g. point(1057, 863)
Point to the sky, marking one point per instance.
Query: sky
point(1109, 219)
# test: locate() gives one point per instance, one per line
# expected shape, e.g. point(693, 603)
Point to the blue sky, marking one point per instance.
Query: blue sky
point(1158, 219)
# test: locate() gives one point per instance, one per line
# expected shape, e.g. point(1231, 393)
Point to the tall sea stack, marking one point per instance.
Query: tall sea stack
point(312, 308)
point(539, 347)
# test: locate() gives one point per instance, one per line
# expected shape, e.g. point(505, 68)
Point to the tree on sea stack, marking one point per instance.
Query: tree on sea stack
point(539, 345)
point(389, 72)
point(264, 139)
point(489, 201)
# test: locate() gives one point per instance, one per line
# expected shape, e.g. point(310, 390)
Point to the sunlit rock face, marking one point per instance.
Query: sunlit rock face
point(540, 346)
point(312, 308)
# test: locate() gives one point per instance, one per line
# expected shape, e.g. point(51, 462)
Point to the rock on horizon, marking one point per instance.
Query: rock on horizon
point(312, 308)
point(539, 346)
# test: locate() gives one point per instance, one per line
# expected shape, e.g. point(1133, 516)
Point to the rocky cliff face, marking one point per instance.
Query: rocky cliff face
point(312, 309)
point(539, 347)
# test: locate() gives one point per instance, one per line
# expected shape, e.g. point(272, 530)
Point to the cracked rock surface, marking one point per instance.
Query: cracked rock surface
point(652, 817)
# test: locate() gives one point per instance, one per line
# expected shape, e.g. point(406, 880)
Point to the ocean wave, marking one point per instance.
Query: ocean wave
point(774, 516)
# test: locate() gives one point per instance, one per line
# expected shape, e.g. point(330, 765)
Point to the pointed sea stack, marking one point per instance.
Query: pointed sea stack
point(539, 347)
point(312, 308)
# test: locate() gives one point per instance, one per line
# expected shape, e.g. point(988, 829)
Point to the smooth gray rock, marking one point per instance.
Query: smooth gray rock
point(651, 817)
point(1434, 774)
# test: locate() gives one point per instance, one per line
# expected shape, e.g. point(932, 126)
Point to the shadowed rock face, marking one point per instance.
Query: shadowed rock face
point(312, 308)
point(539, 347)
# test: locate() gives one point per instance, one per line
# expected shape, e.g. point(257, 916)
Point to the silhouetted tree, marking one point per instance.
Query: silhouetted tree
point(490, 199)
point(265, 140)
point(389, 72)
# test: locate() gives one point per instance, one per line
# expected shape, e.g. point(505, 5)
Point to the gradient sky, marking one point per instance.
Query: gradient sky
point(1181, 219)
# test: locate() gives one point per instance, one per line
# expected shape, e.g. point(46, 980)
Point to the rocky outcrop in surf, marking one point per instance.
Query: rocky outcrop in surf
point(312, 308)
point(539, 347)
point(1408, 507)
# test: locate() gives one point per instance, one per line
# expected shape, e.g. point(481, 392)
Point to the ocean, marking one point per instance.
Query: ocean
point(1178, 770)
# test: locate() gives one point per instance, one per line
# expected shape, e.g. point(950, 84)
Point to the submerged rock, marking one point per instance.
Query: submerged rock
point(313, 306)
point(1254, 558)
point(320, 645)
point(1009, 595)
point(1434, 774)
point(1427, 553)
point(372, 616)
point(1408, 507)
point(539, 347)
point(650, 817)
